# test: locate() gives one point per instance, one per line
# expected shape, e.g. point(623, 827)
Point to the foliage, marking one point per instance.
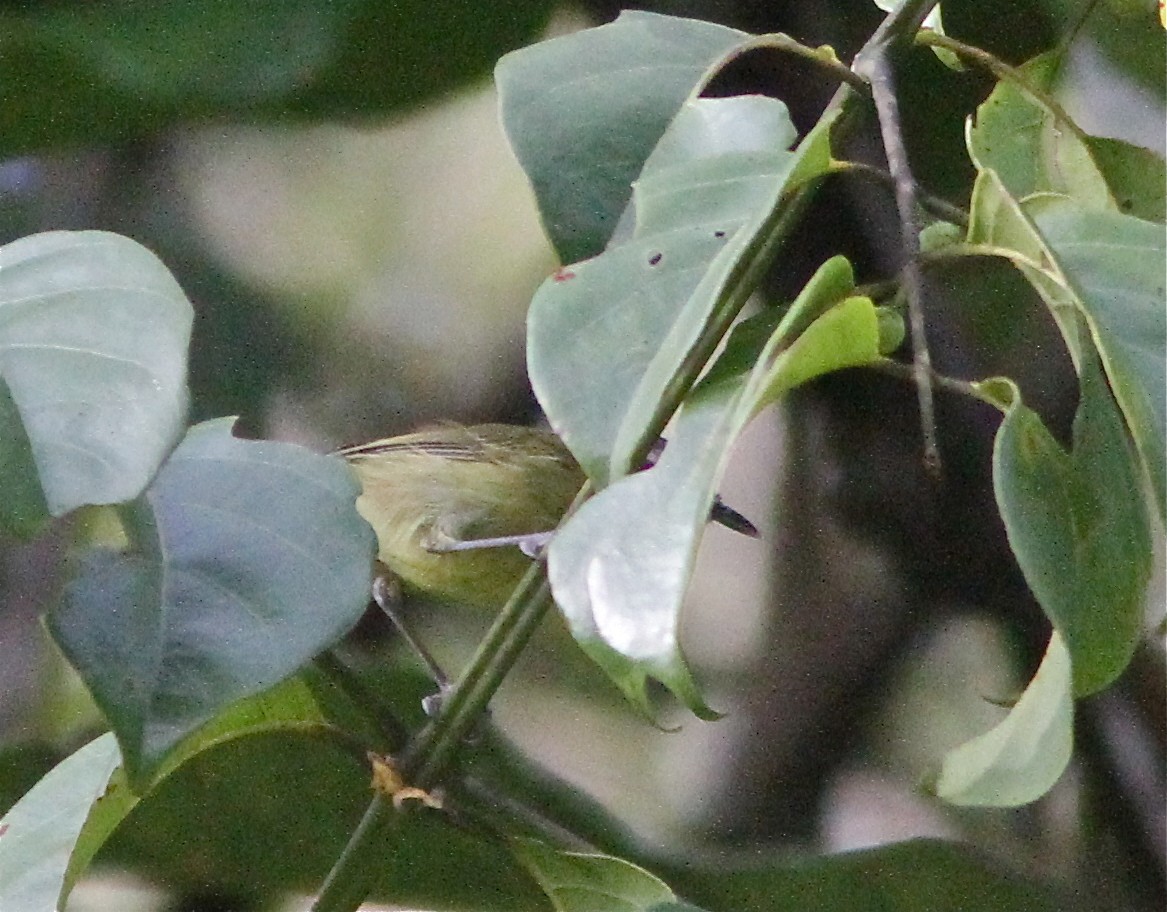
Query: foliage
point(120, 69)
point(213, 570)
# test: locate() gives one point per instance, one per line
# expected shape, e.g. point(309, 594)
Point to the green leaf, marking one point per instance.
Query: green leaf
point(1113, 264)
point(23, 510)
point(1031, 148)
point(620, 566)
point(1127, 32)
point(584, 111)
point(921, 875)
point(252, 817)
point(1081, 539)
point(110, 70)
point(579, 882)
point(932, 22)
point(194, 824)
point(256, 817)
point(1137, 177)
point(249, 558)
point(1078, 522)
point(608, 337)
point(1105, 267)
point(1000, 226)
point(290, 706)
point(846, 335)
point(93, 339)
point(38, 834)
point(1021, 758)
point(936, 236)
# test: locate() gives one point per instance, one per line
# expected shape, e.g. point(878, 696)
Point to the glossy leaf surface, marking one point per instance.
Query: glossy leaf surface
point(38, 833)
point(608, 337)
point(620, 567)
point(248, 559)
point(584, 111)
point(93, 345)
point(1030, 147)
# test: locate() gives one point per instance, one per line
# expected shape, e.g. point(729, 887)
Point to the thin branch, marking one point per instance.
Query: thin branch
point(1003, 72)
point(938, 380)
point(387, 595)
point(426, 760)
point(501, 814)
point(354, 875)
point(822, 57)
point(551, 798)
point(874, 62)
point(934, 205)
point(427, 757)
point(899, 26)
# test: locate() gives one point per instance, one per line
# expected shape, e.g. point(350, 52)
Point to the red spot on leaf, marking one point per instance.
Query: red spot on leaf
point(563, 275)
point(3, 828)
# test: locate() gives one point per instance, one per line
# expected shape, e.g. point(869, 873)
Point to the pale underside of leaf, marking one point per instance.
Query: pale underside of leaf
point(93, 349)
point(38, 833)
point(579, 882)
point(620, 567)
point(1021, 758)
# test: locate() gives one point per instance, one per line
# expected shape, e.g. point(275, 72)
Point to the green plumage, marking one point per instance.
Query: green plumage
point(456, 483)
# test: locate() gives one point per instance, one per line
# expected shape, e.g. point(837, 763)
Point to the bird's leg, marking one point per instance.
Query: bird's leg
point(531, 543)
point(388, 596)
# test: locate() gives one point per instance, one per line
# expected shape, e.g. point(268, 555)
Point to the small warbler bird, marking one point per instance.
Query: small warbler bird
point(449, 505)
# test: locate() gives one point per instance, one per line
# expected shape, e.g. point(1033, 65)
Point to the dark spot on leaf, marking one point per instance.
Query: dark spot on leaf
point(719, 234)
point(654, 259)
point(563, 275)
point(654, 453)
